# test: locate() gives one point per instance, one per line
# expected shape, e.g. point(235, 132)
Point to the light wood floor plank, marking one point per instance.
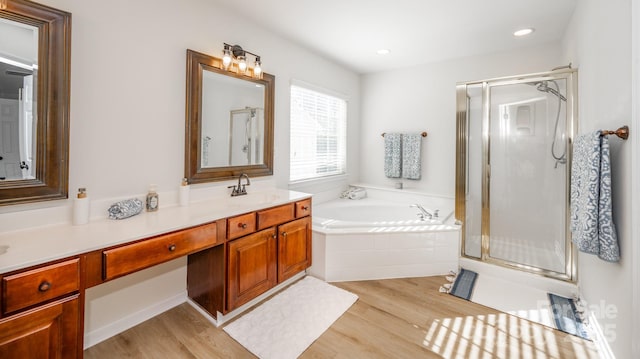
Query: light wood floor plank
point(393, 318)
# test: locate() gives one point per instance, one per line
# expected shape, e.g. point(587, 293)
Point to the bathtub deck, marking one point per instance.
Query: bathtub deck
point(397, 318)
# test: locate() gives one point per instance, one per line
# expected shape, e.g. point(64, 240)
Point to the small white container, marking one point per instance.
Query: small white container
point(81, 207)
point(183, 193)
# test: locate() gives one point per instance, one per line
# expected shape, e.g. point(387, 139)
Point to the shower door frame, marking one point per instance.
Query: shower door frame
point(462, 104)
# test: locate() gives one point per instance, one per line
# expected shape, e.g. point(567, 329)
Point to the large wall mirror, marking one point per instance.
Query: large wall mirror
point(35, 50)
point(229, 122)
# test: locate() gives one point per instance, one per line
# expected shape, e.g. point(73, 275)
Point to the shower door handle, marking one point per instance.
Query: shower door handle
point(486, 184)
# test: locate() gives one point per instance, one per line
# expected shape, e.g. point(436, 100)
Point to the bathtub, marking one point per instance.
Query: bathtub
point(382, 237)
point(374, 215)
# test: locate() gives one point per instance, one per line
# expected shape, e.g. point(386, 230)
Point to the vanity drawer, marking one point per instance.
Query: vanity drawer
point(274, 216)
point(241, 225)
point(303, 208)
point(25, 289)
point(133, 257)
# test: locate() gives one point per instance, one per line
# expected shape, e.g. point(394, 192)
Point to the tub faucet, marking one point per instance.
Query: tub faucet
point(423, 212)
point(240, 189)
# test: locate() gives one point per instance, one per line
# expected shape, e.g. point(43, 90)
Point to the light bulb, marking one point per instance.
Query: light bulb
point(242, 64)
point(257, 69)
point(226, 58)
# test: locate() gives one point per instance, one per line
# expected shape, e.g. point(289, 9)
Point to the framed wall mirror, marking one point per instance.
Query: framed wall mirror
point(229, 122)
point(35, 50)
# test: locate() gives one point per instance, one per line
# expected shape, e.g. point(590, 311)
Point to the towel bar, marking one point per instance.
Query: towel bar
point(424, 134)
point(622, 132)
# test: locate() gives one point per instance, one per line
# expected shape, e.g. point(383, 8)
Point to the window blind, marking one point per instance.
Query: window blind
point(318, 134)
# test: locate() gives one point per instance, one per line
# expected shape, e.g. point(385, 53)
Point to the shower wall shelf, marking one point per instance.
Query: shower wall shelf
point(622, 132)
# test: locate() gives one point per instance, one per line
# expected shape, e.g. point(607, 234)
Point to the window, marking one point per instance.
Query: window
point(318, 134)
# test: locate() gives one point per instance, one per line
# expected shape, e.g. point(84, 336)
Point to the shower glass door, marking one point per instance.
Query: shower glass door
point(513, 171)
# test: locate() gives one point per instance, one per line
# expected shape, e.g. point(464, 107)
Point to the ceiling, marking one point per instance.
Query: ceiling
point(415, 32)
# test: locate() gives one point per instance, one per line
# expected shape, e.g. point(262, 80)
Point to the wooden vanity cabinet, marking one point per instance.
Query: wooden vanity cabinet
point(260, 261)
point(294, 248)
point(133, 257)
point(48, 331)
point(251, 267)
point(230, 262)
point(41, 312)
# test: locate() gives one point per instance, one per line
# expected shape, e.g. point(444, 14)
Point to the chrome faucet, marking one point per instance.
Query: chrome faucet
point(240, 189)
point(424, 213)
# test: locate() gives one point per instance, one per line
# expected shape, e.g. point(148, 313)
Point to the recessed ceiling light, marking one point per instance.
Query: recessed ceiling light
point(523, 32)
point(383, 52)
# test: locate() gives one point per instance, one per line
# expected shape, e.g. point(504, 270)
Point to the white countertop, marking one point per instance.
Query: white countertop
point(24, 248)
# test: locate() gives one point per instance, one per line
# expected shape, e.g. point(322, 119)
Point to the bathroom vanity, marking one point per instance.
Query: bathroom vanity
point(237, 248)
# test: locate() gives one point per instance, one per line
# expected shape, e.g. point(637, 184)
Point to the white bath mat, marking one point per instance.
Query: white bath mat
point(285, 325)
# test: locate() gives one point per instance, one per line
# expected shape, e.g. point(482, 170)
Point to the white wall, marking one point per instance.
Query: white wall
point(128, 69)
point(635, 185)
point(598, 42)
point(423, 98)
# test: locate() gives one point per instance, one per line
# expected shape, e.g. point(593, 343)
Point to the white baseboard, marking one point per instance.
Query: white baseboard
point(204, 313)
point(119, 326)
point(597, 335)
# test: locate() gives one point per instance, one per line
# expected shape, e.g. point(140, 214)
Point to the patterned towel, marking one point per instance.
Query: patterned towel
point(591, 215)
point(411, 155)
point(392, 155)
point(125, 209)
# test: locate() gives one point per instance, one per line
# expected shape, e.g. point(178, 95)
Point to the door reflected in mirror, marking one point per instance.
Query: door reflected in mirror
point(232, 121)
point(18, 100)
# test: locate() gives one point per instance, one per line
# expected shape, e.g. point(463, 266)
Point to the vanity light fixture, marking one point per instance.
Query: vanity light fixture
point(257, 68)
point(236, 54)
point(242, 64)
point(226, 57)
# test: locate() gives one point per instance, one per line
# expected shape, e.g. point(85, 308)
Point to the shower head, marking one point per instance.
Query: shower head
point(543, 86)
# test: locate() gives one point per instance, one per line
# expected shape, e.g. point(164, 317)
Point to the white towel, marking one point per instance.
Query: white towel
point(591, 210)
point(392, 155)
point(412, 156)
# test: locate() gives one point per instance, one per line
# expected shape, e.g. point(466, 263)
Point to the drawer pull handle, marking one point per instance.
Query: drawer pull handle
point(172, 247)
point(242, 225)
point(44, 286)
point(284, 234)
point(305, 208)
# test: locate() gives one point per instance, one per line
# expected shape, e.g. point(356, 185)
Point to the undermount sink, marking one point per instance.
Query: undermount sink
point(255, 199)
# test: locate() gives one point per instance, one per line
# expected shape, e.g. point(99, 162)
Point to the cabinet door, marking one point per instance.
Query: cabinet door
point(49, 331)
point(252, 266)
point(294, 248)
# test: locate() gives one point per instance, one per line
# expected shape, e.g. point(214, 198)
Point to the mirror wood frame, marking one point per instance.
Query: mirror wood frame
point(51, 180)
point(194, 172)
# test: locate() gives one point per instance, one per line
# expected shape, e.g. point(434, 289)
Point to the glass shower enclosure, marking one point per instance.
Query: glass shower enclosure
point(514, 138)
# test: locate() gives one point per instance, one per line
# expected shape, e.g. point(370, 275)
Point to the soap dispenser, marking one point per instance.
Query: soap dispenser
point(152, 199)
point(81, 206)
